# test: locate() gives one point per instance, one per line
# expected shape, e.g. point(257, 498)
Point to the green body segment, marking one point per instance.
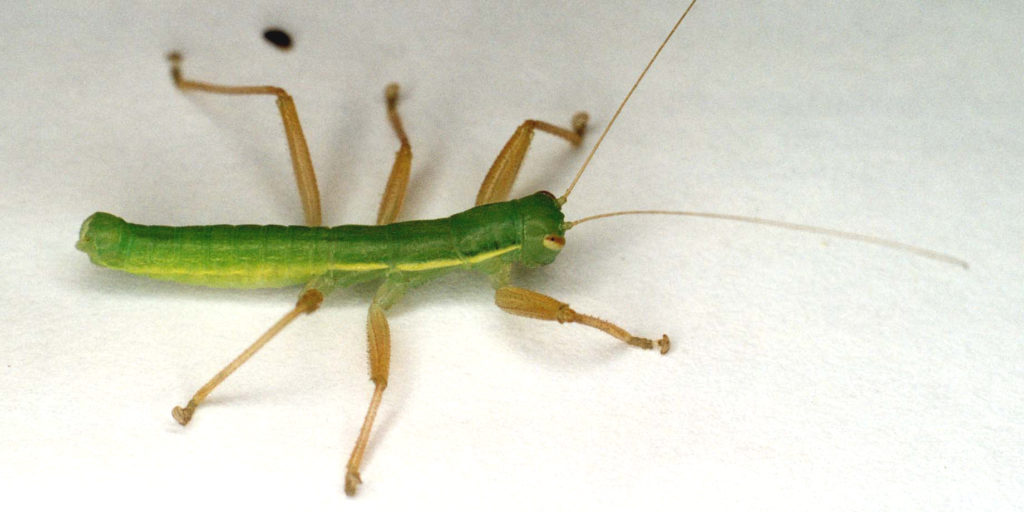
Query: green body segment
point(483, 238)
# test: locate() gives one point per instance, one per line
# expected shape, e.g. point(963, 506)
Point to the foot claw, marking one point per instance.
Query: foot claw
point(391, 93)
point(175, 60)
point(647, 344)
point(352, 482)
point(664, 344)
point(184, 415)
point(579, 122)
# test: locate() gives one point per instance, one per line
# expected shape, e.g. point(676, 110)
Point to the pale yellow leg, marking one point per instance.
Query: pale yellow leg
point(394, 191)
point(523, 302)
point(379, 340)
point(308, 302)
point(302, 164)
point(505, 168)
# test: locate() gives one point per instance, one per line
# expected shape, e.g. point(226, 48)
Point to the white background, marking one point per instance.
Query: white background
point(806, 372)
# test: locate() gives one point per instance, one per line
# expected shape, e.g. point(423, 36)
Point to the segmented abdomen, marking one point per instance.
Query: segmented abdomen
point(250, 256)
point(244, 256)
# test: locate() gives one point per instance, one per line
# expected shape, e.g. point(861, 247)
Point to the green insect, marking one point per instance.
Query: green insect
point(490, 238)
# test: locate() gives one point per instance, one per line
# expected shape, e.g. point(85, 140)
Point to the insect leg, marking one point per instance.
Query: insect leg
point(302, 164)
point(308, 302)
point(522, 302)
point(378, 336)
point(394, 192)
point(503, 171)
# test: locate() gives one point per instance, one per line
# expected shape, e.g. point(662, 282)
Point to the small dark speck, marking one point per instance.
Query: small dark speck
point(278, 38)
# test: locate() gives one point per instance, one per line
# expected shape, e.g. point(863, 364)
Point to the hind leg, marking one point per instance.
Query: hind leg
point(302, 164)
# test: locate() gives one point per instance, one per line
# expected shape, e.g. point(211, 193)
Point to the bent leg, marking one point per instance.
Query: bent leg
point(394, 191)
point(523, 302)
point(378, 337)
point(308, 302)
point(505, 168)
point(302, 164)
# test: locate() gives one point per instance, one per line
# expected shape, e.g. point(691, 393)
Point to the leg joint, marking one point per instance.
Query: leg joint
point(310, 301)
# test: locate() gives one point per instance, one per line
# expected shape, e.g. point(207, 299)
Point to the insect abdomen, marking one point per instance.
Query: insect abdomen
point(227, 256)
point(244, 256)
point(250, 256)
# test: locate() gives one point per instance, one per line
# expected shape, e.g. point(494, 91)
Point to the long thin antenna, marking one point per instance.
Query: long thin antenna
point(873, 240)
point(565, 196)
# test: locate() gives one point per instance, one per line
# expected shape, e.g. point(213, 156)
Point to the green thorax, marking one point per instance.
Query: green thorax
point(249, 256)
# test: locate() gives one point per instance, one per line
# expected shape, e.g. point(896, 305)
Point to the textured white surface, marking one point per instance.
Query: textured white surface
point(807, 373)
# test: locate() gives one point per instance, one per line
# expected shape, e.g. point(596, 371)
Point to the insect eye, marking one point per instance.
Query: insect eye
point(554, 242)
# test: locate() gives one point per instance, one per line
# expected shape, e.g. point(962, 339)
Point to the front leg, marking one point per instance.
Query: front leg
point(398, 180)
point(523, 302)
point(505, 168)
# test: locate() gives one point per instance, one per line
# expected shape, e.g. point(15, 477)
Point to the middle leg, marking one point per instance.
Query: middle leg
point(378, 337)
point(394, 191)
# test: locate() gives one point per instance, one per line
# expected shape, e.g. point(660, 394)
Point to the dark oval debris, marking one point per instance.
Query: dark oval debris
point(278, 37)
